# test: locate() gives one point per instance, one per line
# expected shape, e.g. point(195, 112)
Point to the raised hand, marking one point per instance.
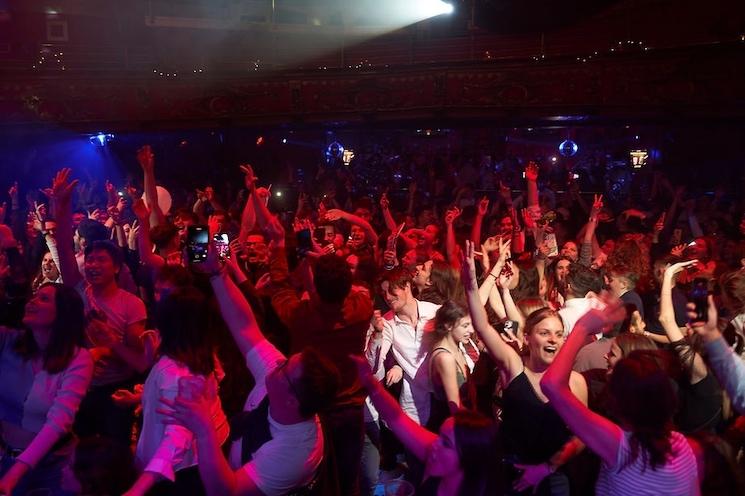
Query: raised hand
point(452, 214)
point(249, 179)
point(675, 268)
point(660, 224)
point(146, 158)
point(602, 319)
point(134, 231)
point(13, 192)
point(505, 192)
point(597, 206)
point(483, 206)
point(62, 187)
point(708, 330)
point(385, 204)
point(531, 171)
point(468, 267)
point(193, 413)
point(333, 214)
point(528, 219)
point(677, 251)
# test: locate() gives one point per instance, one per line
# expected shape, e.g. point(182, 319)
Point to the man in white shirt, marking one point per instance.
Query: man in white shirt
point(402, 330)
point(582, 286)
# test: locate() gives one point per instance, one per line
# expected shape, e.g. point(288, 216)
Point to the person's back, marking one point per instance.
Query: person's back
point(676, 477)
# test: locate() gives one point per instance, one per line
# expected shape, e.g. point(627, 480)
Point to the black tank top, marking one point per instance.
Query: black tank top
point(532, 430)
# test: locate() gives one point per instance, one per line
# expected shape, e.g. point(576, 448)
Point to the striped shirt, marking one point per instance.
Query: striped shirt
point(678, 477)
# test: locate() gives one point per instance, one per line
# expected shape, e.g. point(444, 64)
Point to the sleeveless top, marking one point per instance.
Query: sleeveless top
point(699, 405)
point(439, 408)
point(531, 429)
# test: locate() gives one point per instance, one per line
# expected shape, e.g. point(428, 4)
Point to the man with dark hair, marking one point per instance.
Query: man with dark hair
point(582, 284)
point(400, 331)
point(278, 443)
point(334, 320)
point(115, 323)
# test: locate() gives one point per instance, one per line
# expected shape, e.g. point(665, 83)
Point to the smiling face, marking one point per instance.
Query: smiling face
point(100, 269)
point(570, 251)
point(462, 330)
point(545, 340)
point(562, 269)
point(442, 457)
point(396, 297)
point(49, 268)
point(41, 310)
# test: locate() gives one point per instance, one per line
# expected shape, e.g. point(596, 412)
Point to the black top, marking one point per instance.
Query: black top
point(532, 430)
point(699, 405)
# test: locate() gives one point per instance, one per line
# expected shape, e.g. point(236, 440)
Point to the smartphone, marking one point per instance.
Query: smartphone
point(222, 244)
point(553, 247)
point(506, 327)
point(698, 296)
point(197, 243)
point(304, 242)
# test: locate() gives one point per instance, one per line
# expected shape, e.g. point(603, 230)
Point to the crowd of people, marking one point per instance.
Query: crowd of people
point(530, 341)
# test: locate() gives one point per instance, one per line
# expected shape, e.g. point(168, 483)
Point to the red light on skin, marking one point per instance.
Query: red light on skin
point(259, 141)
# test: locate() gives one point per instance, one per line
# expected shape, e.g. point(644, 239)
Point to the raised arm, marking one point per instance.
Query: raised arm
point(500, 351)
point(600, 434)
point(531, 177)
point(667, 319)
point(481, 212)
point(61, 193)
point(144, 244)
point(336, 214)
point(146, 159)
point(585, 253)
point(234, 308)
point(450, 244)
point(385, 208)
point(728, 367)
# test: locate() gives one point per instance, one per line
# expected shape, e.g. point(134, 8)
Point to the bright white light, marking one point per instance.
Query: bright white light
point(277, 193)
point(432, 8)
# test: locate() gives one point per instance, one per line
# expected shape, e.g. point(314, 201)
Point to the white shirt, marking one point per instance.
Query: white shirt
point(291, 458)
point(165, 448)
point(405, 342)
point(574, 309)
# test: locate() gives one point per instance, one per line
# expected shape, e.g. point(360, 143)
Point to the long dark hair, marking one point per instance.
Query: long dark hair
point(478, 451)
point(68, 331)
point(445, 318)
point(643, 396)
point(183, 323)
point(445, 284)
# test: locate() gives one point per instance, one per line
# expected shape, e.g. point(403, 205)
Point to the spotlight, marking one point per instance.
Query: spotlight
point(284, 141)
point(554, 159)
point(259, 141)
point(278, 193)
point(100, 139)
point(568, 148)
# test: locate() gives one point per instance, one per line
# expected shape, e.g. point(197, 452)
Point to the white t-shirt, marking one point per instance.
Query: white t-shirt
point(292, 457)
point(119, 310)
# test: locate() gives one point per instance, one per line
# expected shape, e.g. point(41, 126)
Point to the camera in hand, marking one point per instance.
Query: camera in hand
point(698, 296)
point(197, 243)
point(222, 244)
